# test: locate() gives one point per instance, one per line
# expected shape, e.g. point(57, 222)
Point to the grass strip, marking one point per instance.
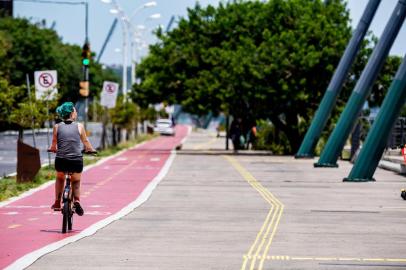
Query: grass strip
point(10, 188)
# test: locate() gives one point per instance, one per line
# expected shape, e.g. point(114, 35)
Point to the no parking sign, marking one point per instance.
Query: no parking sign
point(45, 84)
point(109, 94)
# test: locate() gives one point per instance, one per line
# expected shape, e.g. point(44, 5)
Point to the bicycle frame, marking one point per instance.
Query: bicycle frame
point(67, 201)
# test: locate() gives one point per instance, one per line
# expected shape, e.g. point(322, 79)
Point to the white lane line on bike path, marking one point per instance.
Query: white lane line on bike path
point(30, 258)
point(13, 226)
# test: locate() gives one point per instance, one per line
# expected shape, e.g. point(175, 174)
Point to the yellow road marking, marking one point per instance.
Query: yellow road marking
point(325, 259)
point(282, 258)
point(270, 225)
point(349, 259)
point(396, 260)
point(13, 226)
point(268, 229)
point(302, 259)
point(373, 260)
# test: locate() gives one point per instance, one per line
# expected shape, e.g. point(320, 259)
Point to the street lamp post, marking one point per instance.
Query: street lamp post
point(124, 76)
point(127, 29)
point(135, 35)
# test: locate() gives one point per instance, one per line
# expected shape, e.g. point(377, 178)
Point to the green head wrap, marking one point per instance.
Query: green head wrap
point(65, 110)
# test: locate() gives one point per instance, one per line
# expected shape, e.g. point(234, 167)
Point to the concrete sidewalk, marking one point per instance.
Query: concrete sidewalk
point(220, 210)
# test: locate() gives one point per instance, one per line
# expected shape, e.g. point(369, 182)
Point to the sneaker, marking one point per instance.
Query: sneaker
point(56, 206)
point(78, 209)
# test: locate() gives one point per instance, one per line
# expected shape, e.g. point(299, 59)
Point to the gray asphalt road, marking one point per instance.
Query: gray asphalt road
point(8, 150)
point(8, 146)
point(218, 210)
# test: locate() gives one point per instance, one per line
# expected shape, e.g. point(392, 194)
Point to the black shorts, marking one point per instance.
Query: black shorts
point(67, 165)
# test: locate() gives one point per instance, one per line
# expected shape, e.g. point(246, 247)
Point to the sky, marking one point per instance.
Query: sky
point(69, 21)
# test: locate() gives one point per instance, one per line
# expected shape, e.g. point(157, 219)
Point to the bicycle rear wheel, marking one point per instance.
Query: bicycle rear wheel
point(70, 219)
point(65, 213)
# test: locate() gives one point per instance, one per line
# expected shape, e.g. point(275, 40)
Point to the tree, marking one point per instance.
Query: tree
point(8, 99)
point(26, 47)
point(20, 111)
point(33, 47)
point(252, 60)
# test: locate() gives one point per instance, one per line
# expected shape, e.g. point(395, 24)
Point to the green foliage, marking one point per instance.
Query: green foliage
point(4, 46)
point(253, 60)
point(98, 74)
point(31, 48)
point(26, 47)
point(384, 80)
point(9, 96)
point(32, 113)
point(403, 112)
point(269, 139)
point(125, 114)
point(9, 187)
point(148, 114)
point(19, 110)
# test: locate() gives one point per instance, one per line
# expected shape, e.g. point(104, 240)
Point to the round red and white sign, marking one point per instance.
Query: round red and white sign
point(46, 80)
point(110, 88)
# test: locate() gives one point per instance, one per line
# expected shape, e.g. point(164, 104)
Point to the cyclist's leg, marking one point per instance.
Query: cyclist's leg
point(76, 186)
point(76, 193)
point(59, 182)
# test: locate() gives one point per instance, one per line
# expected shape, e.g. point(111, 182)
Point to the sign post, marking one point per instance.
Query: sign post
point(45, 89)
point(29, 96)
point(109, 94)
point(45, 84)
point(108, 100)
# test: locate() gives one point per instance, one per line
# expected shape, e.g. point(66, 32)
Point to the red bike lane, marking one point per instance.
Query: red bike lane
point(110, 190)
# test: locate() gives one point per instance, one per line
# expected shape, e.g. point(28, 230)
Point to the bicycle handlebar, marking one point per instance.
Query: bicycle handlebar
point(89, 152)
point(83, 152)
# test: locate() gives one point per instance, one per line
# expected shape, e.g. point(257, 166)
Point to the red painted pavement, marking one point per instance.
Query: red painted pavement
point(29, 224)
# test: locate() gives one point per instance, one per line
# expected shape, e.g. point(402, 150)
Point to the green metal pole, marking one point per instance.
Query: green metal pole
point(347, 120)
point(327, 104)
point(375, 143)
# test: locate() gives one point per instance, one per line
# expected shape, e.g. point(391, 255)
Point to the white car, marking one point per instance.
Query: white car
point(164, 127)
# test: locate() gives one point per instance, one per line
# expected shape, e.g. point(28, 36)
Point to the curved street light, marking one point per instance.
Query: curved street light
point(135, 39)
point(127, 28)
point(155, 16)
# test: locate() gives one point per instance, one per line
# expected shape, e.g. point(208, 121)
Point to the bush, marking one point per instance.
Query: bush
point(268, 138)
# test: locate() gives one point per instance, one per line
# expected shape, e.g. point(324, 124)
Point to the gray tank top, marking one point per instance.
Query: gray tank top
point(68, 141)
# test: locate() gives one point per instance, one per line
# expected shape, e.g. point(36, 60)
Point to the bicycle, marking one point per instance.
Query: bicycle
point(68, 207)
point(67, 204)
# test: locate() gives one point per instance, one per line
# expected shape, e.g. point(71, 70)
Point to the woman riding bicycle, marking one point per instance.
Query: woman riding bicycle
point(66, 139)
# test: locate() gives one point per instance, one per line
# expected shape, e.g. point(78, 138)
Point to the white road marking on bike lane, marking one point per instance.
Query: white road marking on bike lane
point(14, 226)
point(11, 213)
